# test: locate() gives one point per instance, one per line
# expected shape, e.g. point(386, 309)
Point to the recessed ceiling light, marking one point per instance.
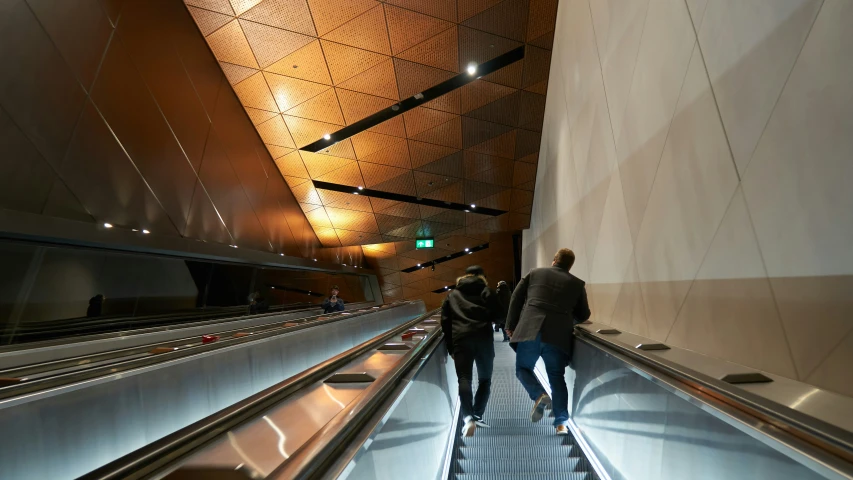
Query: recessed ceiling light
point(108, 225)
point(145, 232)
point(281, 254)
point(419, 96)
point(466, 249)
point(233, 246)
point(472, 68)
point(395, 107)
point(419, 264)
point(327, 137)
point(315, 259)
point(473, 206)
point(360, 187)
point(467, 211)
point(134, 230)
point(356, 193)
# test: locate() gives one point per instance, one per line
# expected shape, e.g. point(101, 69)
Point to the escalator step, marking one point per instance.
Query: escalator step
point(552, 451)
point(518, 465)
point(528, 431)
point(537, 475)
point(520, 421)
point(514, 441)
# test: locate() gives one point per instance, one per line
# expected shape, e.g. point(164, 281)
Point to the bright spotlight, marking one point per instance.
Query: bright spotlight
point(472, 68)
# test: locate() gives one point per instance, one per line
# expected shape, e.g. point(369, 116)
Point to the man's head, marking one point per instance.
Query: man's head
point(475, 270)
point(335, 291)
point(564, 258)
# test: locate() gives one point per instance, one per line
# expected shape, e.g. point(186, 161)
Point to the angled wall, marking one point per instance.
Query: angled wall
point(116, 111)
point(696, 155)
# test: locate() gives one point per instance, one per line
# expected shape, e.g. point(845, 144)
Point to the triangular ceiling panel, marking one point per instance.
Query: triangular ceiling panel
point(208, 21)
point(505, 110)
point(380, 81)
point(349, 174)
point(501, 146)
point(357, 106)
point(367, 143)
point(319, 165)
point(393, 126)
point(346, 62)
point(323, 107)
point(345, 200)
point(445, 9)
point(305, 131)
point(542, 17)
point(241, 6)
point(290, 92)
point(479, 93)
point(341, 149)
point(377, 174)
point(476, 163)
point(425, 153)
point(274, 132)
point(331, 14)
point(396, 155)
point(254, 92)
point(469, 8)
point(259, 116)
point(270, 44)
point(367, 31)
point(307, 63)
point(440, 51)
point(229, 45)
point(449, 102)
point(278, 151)
point(291, 165)
point(448, 134)
point(414, 78)
point(506, 19)
point(236, 73)
point(221, 6)
point(422, 119)
point(408, 28)
point(449, 166)
point(293, 15)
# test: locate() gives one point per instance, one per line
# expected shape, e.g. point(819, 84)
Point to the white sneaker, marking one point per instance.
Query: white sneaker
point(470, 427)
point(481, 423)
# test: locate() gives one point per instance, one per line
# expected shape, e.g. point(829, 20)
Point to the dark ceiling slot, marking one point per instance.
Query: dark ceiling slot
point(431, 93)
point(444, 289)
point(366, 192)
point(446, 258)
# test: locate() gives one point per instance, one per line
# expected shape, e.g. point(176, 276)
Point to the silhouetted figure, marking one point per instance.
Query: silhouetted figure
point(259, 304)
point(96, 306)
point(333, 303)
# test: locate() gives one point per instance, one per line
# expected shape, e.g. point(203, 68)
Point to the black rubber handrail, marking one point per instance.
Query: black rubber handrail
point(63, 379)
point(160, 455)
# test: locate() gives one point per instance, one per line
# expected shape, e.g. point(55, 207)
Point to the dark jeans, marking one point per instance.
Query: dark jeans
point(468, 351)
point(556, 359)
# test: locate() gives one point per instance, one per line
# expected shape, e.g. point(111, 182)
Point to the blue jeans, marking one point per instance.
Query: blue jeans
point(526, 355)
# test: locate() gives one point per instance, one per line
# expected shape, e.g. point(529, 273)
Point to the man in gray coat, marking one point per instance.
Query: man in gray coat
point(544, 309)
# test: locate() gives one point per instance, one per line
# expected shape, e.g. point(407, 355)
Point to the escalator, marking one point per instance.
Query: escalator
point(513, 447)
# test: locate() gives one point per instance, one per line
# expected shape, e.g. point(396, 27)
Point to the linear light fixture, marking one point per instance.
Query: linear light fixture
point(366, 192)
point(418, 99)
point(446, 258)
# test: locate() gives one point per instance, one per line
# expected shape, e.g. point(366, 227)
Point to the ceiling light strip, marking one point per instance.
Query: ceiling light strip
point(418, 99)
point(446, 258)
point(366, 192)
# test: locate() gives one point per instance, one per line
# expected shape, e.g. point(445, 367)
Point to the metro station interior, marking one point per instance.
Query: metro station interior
point(230, 230)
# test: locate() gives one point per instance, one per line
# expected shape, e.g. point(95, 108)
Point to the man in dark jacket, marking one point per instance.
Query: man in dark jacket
point(544, 309)
point(333, 303)
point(467, 314)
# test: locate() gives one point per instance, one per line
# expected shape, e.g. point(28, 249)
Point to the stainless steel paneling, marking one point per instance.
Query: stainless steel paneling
point(68, 432)
point(642, 429)
point(412, 440)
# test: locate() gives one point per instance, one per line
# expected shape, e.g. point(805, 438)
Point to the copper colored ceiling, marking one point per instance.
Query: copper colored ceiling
point(304, 68)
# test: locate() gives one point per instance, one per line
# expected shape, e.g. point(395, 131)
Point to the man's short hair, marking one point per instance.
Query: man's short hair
point(334, 287)
point(564, 258)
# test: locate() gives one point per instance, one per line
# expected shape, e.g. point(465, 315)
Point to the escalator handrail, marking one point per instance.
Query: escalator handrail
point(831, 439)
point(161, 454)
point(160, 328)
point(323, 450)
point(75, 377)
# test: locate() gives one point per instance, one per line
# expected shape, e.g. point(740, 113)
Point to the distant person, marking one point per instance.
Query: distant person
point(467, 314)
point(259, 304)
point(333, 303)
point(544, 309)
point(96, 306)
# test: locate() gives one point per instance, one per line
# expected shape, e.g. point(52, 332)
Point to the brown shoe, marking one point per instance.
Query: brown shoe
point(543, 402)
point(562, 430)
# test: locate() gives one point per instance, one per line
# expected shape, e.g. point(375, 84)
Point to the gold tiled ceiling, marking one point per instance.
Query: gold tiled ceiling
point(305, 68)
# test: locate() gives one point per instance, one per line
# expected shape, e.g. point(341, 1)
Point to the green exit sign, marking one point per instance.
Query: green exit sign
point(424, 243)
